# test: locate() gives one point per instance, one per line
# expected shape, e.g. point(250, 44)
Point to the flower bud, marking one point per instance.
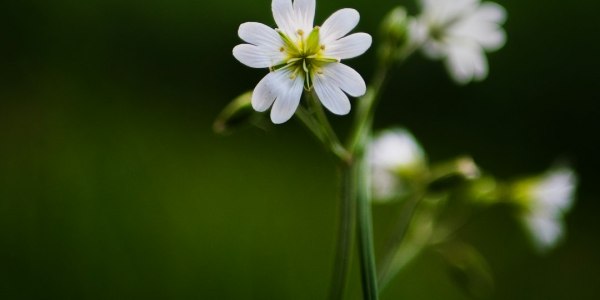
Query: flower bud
point(394, 25)
point(449, 174)
point(237, 112)
point(394, 29)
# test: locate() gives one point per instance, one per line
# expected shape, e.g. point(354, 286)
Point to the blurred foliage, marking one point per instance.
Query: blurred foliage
point(113, 186)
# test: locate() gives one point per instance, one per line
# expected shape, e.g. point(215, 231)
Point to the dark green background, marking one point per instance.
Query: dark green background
point(113, 186)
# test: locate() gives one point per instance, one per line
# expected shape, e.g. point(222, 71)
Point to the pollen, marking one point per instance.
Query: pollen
point(281, 49)
point(300, 32)
point(322, 47)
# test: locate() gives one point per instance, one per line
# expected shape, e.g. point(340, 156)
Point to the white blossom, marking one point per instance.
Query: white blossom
point(546, 200)
point(300, 56)
point(392, 154)
point(460, 32)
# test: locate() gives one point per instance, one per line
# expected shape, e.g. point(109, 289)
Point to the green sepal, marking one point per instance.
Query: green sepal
point(313, 42)
point(290, 46)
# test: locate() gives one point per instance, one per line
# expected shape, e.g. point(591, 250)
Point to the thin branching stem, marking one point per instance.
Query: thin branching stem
point(332, 139)
point(365, 229)
point(347, 220)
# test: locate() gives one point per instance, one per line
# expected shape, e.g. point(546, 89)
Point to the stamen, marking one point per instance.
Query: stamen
point(281, 49)
point(300, 32)
point(322, 47)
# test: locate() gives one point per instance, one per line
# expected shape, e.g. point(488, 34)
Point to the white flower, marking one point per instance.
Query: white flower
point(460, 32)
point(546, 200)
point(300, 56)
point(393, 153)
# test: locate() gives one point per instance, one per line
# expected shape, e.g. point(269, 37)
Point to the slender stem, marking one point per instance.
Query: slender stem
point(360, 134)
point(319, 125)
point(334, 143)
point(327, 137)
point(310, 123)
point(345, 231)
point(364, 118)
point(365, 228)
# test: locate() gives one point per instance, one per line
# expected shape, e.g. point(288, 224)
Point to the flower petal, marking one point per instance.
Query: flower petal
point(264, 95)
point(349, 47)
point(289, 92)
point(257, 57)
point(545, 231)
point(304, 11)
point(466, 62)
point(339, 24)
point(331, 95)
point(260, 35)
point(482, 27)
point(283, 13)
point(492, 12)
point(251, 56)
point(346, 78)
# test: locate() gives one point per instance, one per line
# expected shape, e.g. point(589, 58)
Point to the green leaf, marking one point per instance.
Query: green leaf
point(468, 268)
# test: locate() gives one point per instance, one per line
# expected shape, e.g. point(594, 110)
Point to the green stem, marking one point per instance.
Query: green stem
point(365, 228)
point(319, 125)
point(364, 119)
point(310, 123)
point(360, 135)
point(345, 230)
point(327, 137)
point(332, 140)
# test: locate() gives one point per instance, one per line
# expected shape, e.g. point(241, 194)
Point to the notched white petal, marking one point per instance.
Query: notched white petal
point(264, 95)
point(339, 24)
point(288, 98)
point(350, 46)
point(331, 95)
point(346, 78)
point(492, 12)
point(260, 35)
point(475, 27)
point(304, 11)
point(252, 56)
point(466, 63)
point(283, 13)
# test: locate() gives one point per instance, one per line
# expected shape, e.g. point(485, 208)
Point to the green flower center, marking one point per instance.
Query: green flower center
point(305, 57)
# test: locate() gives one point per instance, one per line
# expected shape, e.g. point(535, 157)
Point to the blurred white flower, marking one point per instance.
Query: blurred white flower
point(302, 57)
point(545, 200)
point(394, 154)
point(460, 32)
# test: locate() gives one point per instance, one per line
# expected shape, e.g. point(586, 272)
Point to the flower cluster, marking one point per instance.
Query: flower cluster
point(439, 197)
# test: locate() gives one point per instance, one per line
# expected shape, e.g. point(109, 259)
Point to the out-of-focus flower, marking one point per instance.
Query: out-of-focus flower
point(460, 32)
point(394, 155)
point(300, 56)
point(544, 201)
